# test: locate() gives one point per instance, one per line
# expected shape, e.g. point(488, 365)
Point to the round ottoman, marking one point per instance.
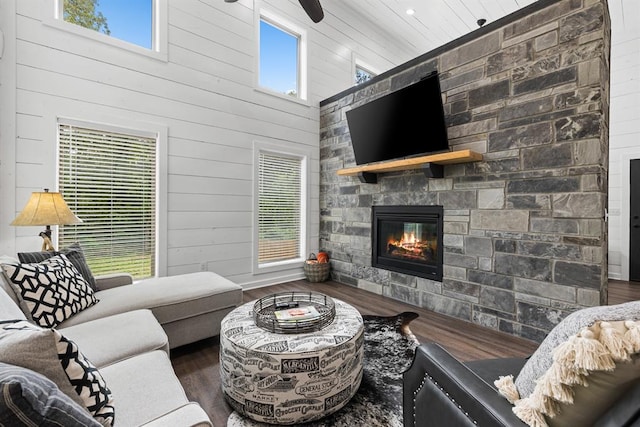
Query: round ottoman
point(290, 378)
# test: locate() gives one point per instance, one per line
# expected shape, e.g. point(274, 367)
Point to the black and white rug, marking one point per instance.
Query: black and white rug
point(389, 346)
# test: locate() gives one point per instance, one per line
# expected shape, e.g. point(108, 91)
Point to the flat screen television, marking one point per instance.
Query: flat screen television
point(405, 123)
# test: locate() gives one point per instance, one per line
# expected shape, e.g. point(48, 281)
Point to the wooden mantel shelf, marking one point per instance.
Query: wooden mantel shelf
point(431, 164)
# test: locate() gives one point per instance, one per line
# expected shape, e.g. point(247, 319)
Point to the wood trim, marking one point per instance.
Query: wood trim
point(452, 157)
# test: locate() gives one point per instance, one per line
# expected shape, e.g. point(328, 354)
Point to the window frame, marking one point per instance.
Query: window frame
point(159, 30)
point(302, 66)
point(304, 155)
point(356, 64)
point(160, 133)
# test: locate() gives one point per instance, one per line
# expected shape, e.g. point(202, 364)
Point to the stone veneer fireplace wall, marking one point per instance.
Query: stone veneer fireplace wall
point(525, 238)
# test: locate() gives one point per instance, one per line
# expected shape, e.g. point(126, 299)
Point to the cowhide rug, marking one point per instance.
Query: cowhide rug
point(389, 346)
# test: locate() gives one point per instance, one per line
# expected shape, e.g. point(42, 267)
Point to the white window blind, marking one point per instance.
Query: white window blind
point(279, 207)
point(108, 179)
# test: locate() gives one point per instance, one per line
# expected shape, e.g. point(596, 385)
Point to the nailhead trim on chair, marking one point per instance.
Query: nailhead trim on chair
point(430, 378)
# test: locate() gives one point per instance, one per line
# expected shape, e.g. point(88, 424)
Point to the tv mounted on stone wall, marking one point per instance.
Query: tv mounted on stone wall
point(408, 122)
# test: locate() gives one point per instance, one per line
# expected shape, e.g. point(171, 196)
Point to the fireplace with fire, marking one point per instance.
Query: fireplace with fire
point(408, 239)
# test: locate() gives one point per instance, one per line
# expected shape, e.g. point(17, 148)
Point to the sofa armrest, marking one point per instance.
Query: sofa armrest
point(187, 415)
point(439, 390)
point(114, 280)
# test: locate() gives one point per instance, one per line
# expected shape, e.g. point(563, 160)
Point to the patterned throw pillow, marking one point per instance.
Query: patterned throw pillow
point(585, 363)
point(51, 291)
point(80, 379)
point(74, 252)
point(27, 397)
point(542, 359)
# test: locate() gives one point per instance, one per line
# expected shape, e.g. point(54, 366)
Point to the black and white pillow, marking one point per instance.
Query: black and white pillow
point(86, 380)
point(74, 252)
point(82, 375)
point(50, 291)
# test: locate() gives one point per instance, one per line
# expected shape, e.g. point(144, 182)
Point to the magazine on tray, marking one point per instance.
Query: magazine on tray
point(297, 313)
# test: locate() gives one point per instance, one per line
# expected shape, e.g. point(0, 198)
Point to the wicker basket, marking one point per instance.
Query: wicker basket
point(316, 271)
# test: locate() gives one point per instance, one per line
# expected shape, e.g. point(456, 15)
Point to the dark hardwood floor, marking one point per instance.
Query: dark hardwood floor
point(621, 291)
point(197, 364)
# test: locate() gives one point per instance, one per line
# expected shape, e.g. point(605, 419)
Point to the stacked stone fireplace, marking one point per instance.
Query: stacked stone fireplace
point(524, 238)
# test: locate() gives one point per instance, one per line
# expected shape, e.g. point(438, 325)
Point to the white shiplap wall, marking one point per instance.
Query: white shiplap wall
point(624, 129)
point(203, 98)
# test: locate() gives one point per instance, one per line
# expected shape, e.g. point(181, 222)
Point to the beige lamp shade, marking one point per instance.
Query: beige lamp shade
point(45, 208)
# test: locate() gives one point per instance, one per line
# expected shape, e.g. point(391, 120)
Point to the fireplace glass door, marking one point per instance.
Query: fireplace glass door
point(408, 239)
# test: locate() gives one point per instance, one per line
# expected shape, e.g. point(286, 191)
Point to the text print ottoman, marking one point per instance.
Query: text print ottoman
point(290, 378)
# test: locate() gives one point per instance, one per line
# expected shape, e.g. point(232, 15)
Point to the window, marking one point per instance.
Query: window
point(282, 59)
point(138, 25)
point(363, 75)
point(281, 208)
point(108, 178)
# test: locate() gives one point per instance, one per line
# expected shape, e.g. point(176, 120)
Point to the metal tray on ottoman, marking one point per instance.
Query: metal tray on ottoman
point(264, 312)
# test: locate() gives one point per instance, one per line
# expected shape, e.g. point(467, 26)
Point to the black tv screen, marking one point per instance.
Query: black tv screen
point(405, 123)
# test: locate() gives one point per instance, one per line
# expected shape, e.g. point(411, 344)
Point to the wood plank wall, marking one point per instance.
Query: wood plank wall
point(202, 96)
point(624, 127)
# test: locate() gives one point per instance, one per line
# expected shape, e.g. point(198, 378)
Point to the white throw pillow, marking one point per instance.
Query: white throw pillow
point(50, 291)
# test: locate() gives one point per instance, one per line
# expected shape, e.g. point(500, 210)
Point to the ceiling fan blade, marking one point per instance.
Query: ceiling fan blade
point(313, 9)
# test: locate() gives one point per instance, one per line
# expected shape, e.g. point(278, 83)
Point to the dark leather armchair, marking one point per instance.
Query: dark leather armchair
point(439, 390)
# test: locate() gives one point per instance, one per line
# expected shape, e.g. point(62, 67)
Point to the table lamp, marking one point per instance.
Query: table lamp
point(45, 208)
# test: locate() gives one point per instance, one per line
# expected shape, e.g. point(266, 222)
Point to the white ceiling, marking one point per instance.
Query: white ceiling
point(434, 23)
point(437, 22)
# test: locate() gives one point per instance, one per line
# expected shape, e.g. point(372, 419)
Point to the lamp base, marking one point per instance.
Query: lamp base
point(47, 244)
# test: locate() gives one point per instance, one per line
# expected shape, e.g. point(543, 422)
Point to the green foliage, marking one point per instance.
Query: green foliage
point(140, 266)
point(362, 76)
point(83, 13)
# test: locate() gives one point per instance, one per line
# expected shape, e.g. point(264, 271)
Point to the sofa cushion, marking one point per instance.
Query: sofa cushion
point(146, 386)
point(50, 291)
point(29, 398)
point(169, 298)
point(5, 283)
point(114, 338)
point(9, 308)
point(589, 371)
point(74, 252)
point(48, 352)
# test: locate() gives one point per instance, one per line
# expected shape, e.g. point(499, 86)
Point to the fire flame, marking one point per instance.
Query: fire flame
point(410, 246)
point(408, 241)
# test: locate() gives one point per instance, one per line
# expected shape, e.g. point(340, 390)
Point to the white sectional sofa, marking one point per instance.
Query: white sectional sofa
point(125, 337)
point(189, 307)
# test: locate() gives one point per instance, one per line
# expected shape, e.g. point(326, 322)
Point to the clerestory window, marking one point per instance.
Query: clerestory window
point(128, 24)
point(282, 57)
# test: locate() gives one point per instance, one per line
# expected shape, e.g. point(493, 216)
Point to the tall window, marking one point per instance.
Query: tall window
point(280, 208)
point(108, 178)
point(282, 58)
point(136, 22)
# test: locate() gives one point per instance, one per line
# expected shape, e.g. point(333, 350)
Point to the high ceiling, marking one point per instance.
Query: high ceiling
point(434, 23)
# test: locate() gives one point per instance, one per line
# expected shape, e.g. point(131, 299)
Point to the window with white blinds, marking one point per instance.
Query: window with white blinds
point(108, 179)
point(279, 207)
